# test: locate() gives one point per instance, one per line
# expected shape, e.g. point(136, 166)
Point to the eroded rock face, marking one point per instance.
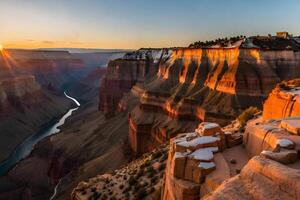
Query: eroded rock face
point(29, 97)
point(194, 166)
point(270, 135)
point(122, 74)
point(283, 101)
point(54, 68)
point(194, 85)
point(261, 179)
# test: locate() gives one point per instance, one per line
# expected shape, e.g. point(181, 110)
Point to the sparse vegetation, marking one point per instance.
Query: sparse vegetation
point(141, 193)
point(135, 180)
point(220, 41)
point(248, 114)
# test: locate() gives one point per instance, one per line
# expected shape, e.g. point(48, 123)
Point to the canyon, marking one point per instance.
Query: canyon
point(188, 85)
point(32, 86)
point(159, 123)
point(196, 99)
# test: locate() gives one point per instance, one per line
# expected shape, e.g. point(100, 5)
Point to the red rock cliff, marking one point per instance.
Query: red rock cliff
point(195, 85)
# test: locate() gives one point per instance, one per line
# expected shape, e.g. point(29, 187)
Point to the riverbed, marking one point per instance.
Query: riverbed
point(25, 148)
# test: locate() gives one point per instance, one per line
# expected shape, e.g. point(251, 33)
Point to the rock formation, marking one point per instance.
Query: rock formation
point(195, 170)
point(122, 74)
point(198, 162)
point(194, 85)
point(283, 101)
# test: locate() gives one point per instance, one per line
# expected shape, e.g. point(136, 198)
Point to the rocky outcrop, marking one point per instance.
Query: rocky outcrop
point(271, 135)
point(199, 164)
point(283, 101)
point(195, 164)
point(262, 179)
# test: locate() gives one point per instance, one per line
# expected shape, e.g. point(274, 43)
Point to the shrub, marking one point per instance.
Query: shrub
point(132, 181)
point(121, 187)
point(150, 171)
point(163, 157)
point(162, 166)
point(153, 179)
point(141, 193)
point(156, 155)
point(140, 173)
point(247, 115)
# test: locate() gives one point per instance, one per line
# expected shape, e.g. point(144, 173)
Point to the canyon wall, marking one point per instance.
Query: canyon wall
point(30, 92)
point(194, 85)
point(123, 73)
point(283, 101)
point(55, 68)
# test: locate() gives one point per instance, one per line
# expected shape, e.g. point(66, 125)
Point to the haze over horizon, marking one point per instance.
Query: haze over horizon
point(135, 24)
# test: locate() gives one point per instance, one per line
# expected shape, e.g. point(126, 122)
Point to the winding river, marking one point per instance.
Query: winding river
point(24, 149)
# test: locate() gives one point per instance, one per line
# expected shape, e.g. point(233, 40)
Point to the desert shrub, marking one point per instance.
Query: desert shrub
point(150, 190)
point(140, 173)
point(132, 181)
point(146, 164)
point(150, 171)
point(121, 187)
point(156, 154)
point(153, 179)
point(162, 166)
point(95, 196)
point(126, 190)
point(141, 193)
point(163, 157)
point(247, 115)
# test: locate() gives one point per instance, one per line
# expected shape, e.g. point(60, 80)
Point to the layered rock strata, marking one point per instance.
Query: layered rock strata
point(122, 74)
point(55, 68)
point(283, 101)
point(262, 179)
point(195, 163)
point(272, 135)
point(212, 84)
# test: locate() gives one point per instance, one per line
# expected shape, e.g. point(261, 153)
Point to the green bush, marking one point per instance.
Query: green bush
point(247, 115)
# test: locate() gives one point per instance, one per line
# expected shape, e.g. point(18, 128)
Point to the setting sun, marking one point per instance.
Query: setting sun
point(1, 47)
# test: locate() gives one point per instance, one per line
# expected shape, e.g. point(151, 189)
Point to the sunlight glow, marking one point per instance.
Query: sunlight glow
point(1, 47)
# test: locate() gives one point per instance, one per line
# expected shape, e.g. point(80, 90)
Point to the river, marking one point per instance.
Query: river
point(25, 148)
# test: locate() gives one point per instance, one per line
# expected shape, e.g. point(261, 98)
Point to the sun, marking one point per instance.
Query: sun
point(1, 47)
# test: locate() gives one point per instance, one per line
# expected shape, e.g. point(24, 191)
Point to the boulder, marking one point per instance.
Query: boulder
point(284, 156)
point(292, 125)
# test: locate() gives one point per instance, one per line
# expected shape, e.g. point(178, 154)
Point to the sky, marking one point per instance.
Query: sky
point(131, 24)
